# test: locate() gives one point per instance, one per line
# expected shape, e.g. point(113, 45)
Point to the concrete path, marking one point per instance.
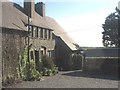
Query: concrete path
point(71, 79)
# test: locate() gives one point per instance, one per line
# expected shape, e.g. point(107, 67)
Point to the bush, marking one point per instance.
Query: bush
point(48, 62)
point(34, 74)
point(44, 71)
point(55, 70)
point(49, 72)
point(29, 70)
point(48, 66)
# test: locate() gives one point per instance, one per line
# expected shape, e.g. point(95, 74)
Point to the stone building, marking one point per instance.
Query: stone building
point(45, 37)
point(41, 39)
point(13, 40)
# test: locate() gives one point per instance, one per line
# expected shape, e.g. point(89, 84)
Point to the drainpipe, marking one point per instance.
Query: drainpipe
point(28, 59)
point(28, 37)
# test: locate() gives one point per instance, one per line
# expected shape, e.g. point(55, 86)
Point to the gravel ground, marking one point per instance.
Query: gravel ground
point(71, 79)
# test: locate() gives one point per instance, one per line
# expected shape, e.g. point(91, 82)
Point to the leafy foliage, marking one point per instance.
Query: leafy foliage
point(48, 62)
point(28, 70)
point(49, 67)
point(110, 34)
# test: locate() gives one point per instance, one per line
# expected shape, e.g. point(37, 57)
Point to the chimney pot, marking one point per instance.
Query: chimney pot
point(29, 7)
point(40, 8)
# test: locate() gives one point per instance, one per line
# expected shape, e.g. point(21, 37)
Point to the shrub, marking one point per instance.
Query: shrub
point(44, 71)
point(48, 66)
point(34, 74)
point(47, 62)
point(49, 72)
point(55, 70)
point(29, 70)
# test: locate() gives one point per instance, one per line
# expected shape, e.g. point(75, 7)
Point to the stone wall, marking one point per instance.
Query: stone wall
point(13, 43)
point(102, 65)
point(37, 43)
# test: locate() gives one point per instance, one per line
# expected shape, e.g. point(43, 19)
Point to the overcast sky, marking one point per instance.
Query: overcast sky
point(81, 19)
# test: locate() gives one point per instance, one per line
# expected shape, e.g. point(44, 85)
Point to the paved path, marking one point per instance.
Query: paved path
point(71, 79)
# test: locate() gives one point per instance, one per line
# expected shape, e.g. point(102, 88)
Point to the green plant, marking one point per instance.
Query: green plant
point(45, 71)
point(35, 75)
point(49, 68)
point(49, 72)
point(54, 70)
point(47, 62)
point(28, 69)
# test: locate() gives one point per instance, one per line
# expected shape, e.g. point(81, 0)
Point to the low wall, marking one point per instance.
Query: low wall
point(102, 65)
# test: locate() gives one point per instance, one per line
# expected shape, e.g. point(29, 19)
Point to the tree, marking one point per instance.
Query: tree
point(110, 34)
point(118, 11)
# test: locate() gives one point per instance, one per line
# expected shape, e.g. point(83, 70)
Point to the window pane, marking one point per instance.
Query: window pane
point(49, 34)
point(41, 53)
point(36, 32)
point(31, 31)
point(53, 36)
point(45, 34)
point(34, 29)
point(49, 53)
point(41, 33)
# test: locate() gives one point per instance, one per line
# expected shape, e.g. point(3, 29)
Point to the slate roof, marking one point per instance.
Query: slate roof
point(16, 19)
point(103, 52)
point(11, 17)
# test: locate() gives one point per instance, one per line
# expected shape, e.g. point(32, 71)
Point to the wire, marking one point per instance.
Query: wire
point(79, 30)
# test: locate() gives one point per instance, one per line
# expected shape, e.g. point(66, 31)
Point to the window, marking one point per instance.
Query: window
point(49, 53)
point(41, 33)
point(53, 36)
point(36, 32)
point(45, 34)
point(49, 34)
point(31, 31)
point(42, 53)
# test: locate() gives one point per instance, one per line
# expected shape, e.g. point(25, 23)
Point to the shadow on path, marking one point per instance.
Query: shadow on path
point(91, 75)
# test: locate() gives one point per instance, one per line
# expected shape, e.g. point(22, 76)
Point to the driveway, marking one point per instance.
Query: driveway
point(71, 79)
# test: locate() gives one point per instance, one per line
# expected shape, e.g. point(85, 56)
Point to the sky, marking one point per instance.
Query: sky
point(81, 19)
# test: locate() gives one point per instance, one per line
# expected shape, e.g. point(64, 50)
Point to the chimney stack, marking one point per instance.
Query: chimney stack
point(29, 7)
point(40, 8)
